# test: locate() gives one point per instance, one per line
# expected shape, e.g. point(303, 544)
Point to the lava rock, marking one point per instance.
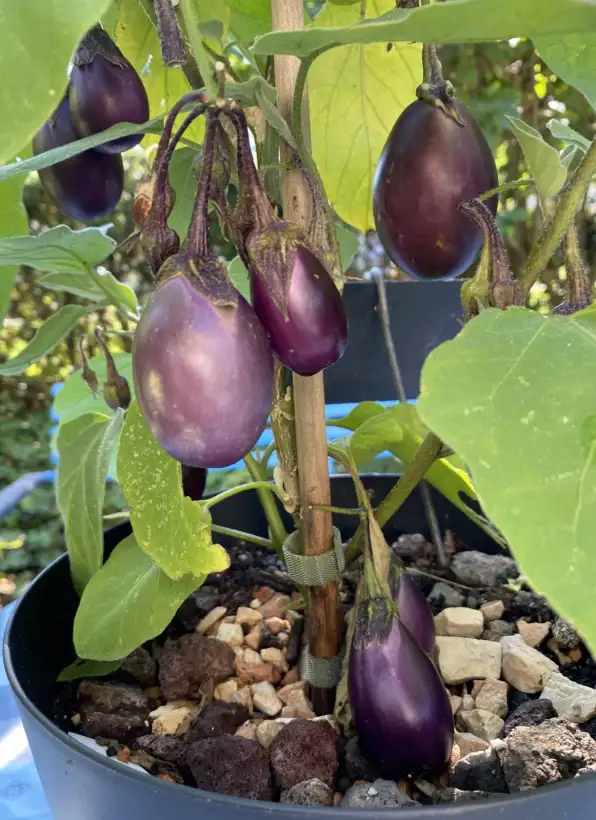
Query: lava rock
point(304, 750)
point(310, 793)
point(530, 713)
point(186, 663)
point(125, 728)
point(565, 635)
point(113, 698)
point(479, 771)
point(444, 595)
point(476, 569)
point(356, 764)
point(538, 755)
point(497, 630)
point(141, 666)
point(382, 794)
point(217, 718)
point(164, 747)
point(231, 765)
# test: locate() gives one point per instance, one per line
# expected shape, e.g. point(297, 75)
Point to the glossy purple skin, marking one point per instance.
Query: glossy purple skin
point(194, 480)
point(400, 706)
point(414, 611)
point(103, 94)
point(203, 375)
point(86, 187)
point(429, 165)
point(315, 333)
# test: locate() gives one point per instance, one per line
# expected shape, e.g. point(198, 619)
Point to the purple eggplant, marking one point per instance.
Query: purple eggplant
point(106, 90)
point(412, 607)
point(85, 187)
point(313, 333)
point(194, 480)
point(400, 706)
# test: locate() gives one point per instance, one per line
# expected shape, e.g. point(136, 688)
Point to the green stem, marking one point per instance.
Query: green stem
point(268, 452)
point(191, 22)
point(425, 457)
point(276, 525)
point(507, 186)
point(243, 536)
point(250, 485)
point(338, 510)
point(567, 206)
point(297, 131)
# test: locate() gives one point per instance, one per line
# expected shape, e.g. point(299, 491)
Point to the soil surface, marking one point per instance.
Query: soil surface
point(217, 701)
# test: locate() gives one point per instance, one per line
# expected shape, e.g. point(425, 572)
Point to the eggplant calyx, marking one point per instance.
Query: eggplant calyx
point(98, 43)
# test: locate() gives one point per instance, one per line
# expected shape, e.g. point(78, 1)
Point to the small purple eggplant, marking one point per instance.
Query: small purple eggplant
point(412, 607)
point(400, 706)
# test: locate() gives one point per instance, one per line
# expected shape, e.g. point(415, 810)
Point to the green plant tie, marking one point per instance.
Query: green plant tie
point(323, 673)
point(313, 570)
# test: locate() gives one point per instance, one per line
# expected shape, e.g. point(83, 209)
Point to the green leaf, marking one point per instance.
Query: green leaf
point(183, 180)
point(82, 668)
point(39, 38)
point(544, 162)
point(239, 276)
point(79, 284)
point(129, 601)
point(75, 397)
point(45, 340)
point(515, 395)
point(48, 158)
point(463, 21)
point(84, 450)
point(349, 244)
point(59, 250)
point(136, 36)
point(563, 132)
point(119, 294)
point(249, 18)
point(257, 91)
point(171, 529)
point(378, 433)
point(572, 57)
point(353, 106)
point(13, 220)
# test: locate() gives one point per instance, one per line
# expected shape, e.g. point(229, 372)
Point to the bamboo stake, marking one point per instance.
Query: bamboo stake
point(323, 610)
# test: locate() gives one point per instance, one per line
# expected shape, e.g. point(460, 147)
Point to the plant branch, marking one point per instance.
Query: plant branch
point(191, 22)
point(239, 535)
point(426, 455)
point(170, 37)
point(242, 488)
point(276, 525)
point(507, 186)
point(567, 206)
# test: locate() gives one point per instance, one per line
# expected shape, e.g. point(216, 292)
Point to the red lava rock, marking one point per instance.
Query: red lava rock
point(141, 666)
point(124, 728)
point(217, 718)
point(113, 698)
point(231, 765)
point(189, 661)
point(163, 747)
point(304, 750)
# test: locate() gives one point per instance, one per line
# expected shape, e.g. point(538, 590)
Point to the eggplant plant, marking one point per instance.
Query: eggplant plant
point(506, 412)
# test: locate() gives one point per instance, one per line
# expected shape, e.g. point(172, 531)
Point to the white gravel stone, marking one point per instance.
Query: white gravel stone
point(570, 700)
point(468, 743)
point(524, 667)
point(210, 619)
point(493, 611)
point(267, 731)
point(533, 634)
point(264, 698)
point(464, 659)
point(248, 616)
point(460, 622)
point(483, 724)
point(231, 634)
point(226, 690)
point(493, 697)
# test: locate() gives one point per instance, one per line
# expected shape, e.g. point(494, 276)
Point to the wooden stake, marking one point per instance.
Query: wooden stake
point(323, 611)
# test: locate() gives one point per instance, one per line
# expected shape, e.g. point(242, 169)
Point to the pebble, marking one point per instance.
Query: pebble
point(476, 569)
point(467, 703)
point(381, 794)
point(523, 667)
point(445, 595)
point(533, 634)
point(298, 700)
point(253, 639)
point(531, 713)
point(311, 792)
point(464, 659)
point(248, 616)
point(175, 721)
point(263, 594)
point(460, 622)
point(267, 731)
point(565, 635)
point(276, 625)
point(570, 700)
point(292, 676)
point(483, 724)
point(276, 658)
point(456, 703)
point(493, 610)
point(275, 606)
point(231, 634)
point(497, 629)
point(257, 673)
point(248, 730)
point(226, 690)
point(492, 697)
point(243, 697)
point(469, 743)
point(287, 689)
point(264, 698)
point(211, 619)
point(251, 656)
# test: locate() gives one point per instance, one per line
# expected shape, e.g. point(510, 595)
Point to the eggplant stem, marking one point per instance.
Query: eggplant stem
point(197, 239)
point(239, 535)
point(276, 525)
point(170, 37)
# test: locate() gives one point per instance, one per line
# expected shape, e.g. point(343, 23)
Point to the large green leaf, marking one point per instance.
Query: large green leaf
point(95, 285)
point(59, 250)
point(544, 162)
point(572, 57)
point(563, 132)
point(75, 397)
point(458, 21)
point(38, 40)
point(171, 529)
point(129, 601)
point(184, 181)
point(349, 244)
point(88, 669)
point(249, 19)
point(239, 276)
point(515, 395)
point(355, 95)
point(45, 340)
point(84, 450)
point(13, 220)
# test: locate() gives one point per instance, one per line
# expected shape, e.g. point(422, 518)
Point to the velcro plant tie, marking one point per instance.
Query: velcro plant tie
point(313, 570)
point(322, 673)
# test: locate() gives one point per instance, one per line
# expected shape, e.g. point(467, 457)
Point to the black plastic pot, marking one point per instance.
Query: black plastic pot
point(82, 785)
point(423, 315)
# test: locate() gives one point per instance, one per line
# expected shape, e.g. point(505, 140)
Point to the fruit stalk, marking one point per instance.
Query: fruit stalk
point(170, 36)
point(323, 609)
point(579, 292)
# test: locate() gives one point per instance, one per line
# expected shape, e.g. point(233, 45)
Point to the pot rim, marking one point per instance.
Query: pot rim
point(461, 810)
